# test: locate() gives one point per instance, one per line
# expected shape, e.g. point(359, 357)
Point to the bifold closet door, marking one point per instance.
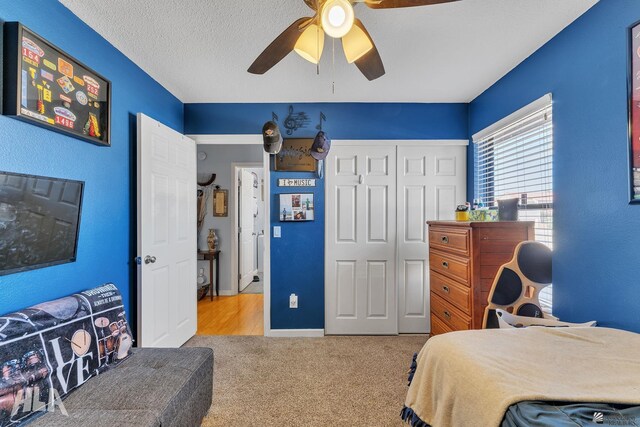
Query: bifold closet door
point(431, 183)
point(361, 241)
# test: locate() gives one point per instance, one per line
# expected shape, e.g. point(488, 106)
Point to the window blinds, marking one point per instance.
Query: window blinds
point(516, 161)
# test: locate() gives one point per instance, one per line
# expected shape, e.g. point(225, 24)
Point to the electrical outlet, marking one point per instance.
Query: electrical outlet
point(277, 232)
point(293, 301)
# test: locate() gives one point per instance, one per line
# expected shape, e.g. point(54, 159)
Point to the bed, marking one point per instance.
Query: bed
point(534, 376)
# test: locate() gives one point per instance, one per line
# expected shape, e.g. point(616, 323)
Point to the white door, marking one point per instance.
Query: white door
point(361, 252)
point(247, 207)
point(431, 183)
point(167, 315)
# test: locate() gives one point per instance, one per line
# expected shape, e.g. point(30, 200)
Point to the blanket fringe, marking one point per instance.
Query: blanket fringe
point(410, 417)
point(414, 366)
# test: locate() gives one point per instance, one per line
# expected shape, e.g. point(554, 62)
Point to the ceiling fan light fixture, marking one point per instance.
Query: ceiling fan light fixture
point(356, 43)
point(311, 44)
point(337, 17)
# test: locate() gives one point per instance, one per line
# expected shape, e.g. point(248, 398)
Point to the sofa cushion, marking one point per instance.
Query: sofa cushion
point(153, 387)
point(52, 348)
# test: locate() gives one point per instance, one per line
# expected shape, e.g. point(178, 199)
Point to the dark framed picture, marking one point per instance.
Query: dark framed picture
point(295, 156)
point(634, 112)
point(296, 207)
point(46, 87)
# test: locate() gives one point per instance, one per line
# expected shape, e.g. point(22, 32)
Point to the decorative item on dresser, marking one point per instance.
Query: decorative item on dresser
point(464, 258)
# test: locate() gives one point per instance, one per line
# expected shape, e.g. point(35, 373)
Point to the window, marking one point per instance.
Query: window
point(514, 159)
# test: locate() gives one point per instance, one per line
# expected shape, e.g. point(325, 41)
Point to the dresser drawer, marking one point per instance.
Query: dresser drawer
point(450, 315)
point(450, 265)
point(451, 291)
point(450, 240)
point(438, 327)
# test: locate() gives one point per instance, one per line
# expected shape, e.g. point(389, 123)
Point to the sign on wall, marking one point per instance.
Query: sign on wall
point(295, 156)
point(293, 182)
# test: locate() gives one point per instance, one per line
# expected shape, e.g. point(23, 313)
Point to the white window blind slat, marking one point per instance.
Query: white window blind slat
point(516, 161)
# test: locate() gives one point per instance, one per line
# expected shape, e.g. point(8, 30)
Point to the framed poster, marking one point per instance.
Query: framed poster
point(220, 202)
point(634, 113)
point(295, 156)
point(296, 207)
point(46, 87)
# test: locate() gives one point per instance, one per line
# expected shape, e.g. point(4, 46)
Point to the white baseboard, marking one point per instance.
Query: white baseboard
point(227, 293)
point(295, 333)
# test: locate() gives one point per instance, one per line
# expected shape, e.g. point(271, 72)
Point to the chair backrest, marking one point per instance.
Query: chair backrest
point(516, 288)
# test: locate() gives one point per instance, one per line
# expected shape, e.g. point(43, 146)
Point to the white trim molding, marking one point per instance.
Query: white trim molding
point(399, 142)
point(295, 333)
point(525, 111)
point(266, 269)
point(227, 139)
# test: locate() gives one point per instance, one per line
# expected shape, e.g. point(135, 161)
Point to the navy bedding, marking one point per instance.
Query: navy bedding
point(545, 414)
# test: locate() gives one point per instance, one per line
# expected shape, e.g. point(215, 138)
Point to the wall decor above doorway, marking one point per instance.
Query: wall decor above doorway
point(295, 156)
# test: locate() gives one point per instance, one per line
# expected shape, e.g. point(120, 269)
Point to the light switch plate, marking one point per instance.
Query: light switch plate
point(277, 232)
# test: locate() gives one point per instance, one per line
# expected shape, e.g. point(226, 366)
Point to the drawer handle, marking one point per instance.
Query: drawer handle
point(445, 264)
point(447, 315)
point(446, 289)
point(445, 239)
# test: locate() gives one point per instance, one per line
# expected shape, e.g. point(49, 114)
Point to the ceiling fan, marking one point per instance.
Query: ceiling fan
point(335, 18)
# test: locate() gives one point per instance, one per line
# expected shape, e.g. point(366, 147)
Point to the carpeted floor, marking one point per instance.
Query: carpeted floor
point(331, 381)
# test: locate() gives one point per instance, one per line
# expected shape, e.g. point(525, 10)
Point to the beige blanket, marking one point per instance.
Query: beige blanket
point(471, 378)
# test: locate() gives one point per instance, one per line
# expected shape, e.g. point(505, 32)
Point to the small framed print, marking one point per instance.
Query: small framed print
point(296, 207)
point(220, 202)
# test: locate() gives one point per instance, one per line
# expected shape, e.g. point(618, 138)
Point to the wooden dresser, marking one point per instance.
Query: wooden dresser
point(464, 258)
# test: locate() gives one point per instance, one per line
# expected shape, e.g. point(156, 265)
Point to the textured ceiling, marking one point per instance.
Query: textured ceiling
point(200, 49)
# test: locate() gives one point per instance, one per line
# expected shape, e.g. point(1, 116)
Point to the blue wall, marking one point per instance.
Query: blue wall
point(107, 230)
point(597, 233)
point(297, 259)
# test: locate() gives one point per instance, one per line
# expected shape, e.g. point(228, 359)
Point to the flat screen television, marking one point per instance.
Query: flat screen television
point(39, 221)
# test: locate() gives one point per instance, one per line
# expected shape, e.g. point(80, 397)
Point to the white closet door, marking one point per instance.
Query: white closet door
point(431, 183)
point(361, 251)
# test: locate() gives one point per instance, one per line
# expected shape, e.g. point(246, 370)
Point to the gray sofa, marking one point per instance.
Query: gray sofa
point(153, 387)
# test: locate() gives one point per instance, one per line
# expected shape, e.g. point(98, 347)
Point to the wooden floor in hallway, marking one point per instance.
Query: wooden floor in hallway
point(235, 315)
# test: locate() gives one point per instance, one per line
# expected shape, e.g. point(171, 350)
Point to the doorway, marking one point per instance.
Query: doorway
point(250, 230)
point(236, 304)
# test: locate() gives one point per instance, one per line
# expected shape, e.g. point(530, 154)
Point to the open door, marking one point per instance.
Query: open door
point(167, 242)
point(246, 268)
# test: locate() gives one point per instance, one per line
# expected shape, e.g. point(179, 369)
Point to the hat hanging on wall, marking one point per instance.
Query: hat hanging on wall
point(272, 138)
point(321, 146)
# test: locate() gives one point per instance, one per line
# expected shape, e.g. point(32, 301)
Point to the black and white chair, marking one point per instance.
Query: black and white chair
point(514, 300)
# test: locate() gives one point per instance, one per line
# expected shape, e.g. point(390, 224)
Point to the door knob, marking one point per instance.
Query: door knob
point(149, 259)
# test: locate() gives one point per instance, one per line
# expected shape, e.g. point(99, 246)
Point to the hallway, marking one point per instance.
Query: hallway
point(234, 315)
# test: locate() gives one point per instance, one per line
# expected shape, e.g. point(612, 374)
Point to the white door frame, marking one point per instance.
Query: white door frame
point(378, 143)
point(266, 162)
point(235, 205)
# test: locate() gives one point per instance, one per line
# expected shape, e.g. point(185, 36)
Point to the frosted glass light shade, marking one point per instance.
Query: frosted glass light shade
point(337, 18)
point(356, 43)
point(311, 44)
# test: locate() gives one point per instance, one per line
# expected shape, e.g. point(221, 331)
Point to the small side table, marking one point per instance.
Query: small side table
point(211, 256)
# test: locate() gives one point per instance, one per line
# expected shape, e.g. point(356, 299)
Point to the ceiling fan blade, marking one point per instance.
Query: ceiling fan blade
point(370, 64)
point(312, 4)
point(393, 4)
point(279, 48)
